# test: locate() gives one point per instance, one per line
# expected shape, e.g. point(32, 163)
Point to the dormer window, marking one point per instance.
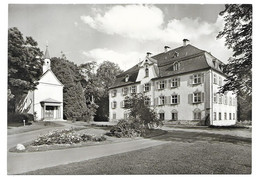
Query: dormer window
point(176, 54)
point(126, 78)
point(176, 66)
point(146, 72)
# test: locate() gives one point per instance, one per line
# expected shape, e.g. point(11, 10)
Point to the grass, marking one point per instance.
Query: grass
point(198, 157)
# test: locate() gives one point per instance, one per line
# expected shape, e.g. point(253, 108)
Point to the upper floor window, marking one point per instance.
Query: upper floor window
point(161, 100)
point(175, 99)
point(220, 99)
point(125, 90)
point(197, 97)
point(215, 79)
point(133, 89)
point(161, 84)
point(197, 78)
point(113, 105)
point(215, 98)
point(175, 82)
point(234, 101)
point(230, 101)
point(146, 72)
point(127, 78)
point(147, 101)
point(176, 66)
point(220, 81)
point(147, 87)
point(114, 93)
point(225, 99)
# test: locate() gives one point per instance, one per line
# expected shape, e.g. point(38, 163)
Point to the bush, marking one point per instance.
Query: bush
point(19, 117)
point(66, 136)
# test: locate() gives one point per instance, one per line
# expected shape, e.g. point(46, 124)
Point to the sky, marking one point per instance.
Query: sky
point(121, 33)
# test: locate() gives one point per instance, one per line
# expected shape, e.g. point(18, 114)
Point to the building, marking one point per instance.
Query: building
point(46, 101)
point(182, 85)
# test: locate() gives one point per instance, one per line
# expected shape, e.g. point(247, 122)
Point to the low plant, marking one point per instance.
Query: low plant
point(65, 136)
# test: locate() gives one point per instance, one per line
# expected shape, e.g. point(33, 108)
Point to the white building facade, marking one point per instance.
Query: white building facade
point(182, 85)
point(46, 101)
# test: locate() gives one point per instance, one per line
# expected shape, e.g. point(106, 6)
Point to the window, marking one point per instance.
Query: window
point(234, 101)
point(197, 78)
point(220, 81)
point(161, 116)
point(125, 90)
point(174, 99)
point(161, 84)
point(197, 114)
point(133, 89)
point(125, 115)
point(176, 66)
point(215, 79)
point(234, 116)
point(220, 99)
point(230, 116)
point(219, 115)
point(161, 100)
point(230, 101)
point(126, 78)
point(174, 115)
point(147, 101)
point(114, 93)
point(147, 87)
point(215, 98)
point(174, 82)
point(113, 104)
point(215, 116)
point(225, 116)
point(123, 103)
point(114, 115)
point(146, 72)
point(225, 100)
point(197, 97)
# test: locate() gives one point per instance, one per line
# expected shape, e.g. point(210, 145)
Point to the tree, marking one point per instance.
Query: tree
point(74, 101)
point(238, 37)
point(24, 66)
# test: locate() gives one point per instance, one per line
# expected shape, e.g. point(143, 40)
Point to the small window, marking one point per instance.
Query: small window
point(215, 79)
point(125, 115)
point(147, 101)
point(161, 116)
point(174, 99)
point(114, 93)
point(230, 101)
point(234, 101)
point(230, 116)
point(147, 87)
point(114, 115)
point(133, 89)
point(197, 97)
point(161, 100)
point(174, 115)
point(174, 82)
point(234, 116)
point(146, 72)
point(125, 90)
point(161, 84)
point(127, 78)
point(197, 78)
point(220, 81)
point(176, 66)
point(220, 99)
point(219, 116)
point(215, 98)
point(197, 114)
point(225, 116)
point(215, 115)
point(113, 104)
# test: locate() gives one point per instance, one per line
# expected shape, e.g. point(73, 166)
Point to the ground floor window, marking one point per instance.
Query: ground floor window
point(225, 116)
point(219, 115)
point(197, 114)
point(174, 116)
point(234, 116)
point(161, 116)
point(230, 117)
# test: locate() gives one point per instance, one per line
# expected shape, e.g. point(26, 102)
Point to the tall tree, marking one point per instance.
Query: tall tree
point(238, 37)
point(24, 66)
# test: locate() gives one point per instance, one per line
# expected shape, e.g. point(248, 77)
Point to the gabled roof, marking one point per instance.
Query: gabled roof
point(190, 58)
point(56, 79)
point(50, 100)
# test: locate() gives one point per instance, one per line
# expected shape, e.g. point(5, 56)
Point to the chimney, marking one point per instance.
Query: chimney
point(148, 54)
point(166, 48)
point(185, 41)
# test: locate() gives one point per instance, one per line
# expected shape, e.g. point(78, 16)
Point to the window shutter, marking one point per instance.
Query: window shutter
point(155, 101)
point(190, 98)
point(122, 93)
point(191, 80)
point(140, 88)
point(112, 105)
point(170, 83)
point(202, 97)
point(165, 83)
point(178, 97)
point(179, 82)
point(156, 85)
point(202, 77)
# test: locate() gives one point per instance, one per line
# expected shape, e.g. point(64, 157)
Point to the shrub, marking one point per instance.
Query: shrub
point(19, 117)
point(66, 136)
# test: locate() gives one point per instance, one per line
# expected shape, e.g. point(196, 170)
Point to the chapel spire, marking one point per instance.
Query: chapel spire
point(47, 55)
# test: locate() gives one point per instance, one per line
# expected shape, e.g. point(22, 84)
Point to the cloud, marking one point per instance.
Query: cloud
point(124, 60)
point(146, 22)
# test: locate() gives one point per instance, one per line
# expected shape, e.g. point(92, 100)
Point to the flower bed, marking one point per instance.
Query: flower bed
point(66, 136)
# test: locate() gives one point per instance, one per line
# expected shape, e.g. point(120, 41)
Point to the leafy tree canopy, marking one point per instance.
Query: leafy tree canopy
point(24, 65)
point(238, 37)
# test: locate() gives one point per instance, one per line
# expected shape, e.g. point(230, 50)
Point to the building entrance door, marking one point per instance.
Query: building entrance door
point(49, 112)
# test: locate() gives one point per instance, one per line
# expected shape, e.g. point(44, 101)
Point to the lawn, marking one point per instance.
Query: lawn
point(186, 153)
